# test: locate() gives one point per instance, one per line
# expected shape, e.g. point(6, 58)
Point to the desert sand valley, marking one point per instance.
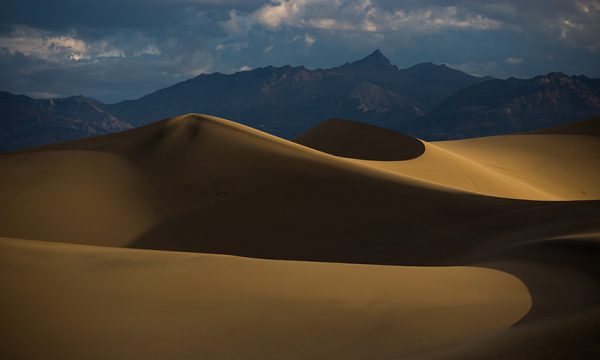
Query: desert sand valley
point(199, 238)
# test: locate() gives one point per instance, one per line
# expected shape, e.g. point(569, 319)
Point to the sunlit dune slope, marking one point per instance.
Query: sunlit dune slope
point(526, 205)
point(139, 304)
point(200, 183)
point(564, 165)
point(552, 165)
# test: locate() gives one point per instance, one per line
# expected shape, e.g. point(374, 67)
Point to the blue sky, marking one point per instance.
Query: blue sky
point(121, 49)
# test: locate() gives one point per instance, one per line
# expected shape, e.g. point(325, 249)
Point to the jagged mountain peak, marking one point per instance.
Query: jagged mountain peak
point(375, 59)
point(287, 100)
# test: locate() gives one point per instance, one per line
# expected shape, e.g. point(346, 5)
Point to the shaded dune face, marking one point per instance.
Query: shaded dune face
point(562, 273)
point(361, 141)
point(201, 184)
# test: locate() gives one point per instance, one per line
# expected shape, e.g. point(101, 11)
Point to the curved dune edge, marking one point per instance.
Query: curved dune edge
point(97, 302)
point(206, 185)
point(557, 164)
point(149, 183)
point(451, 166)
point(562, 337)
point(454, 171)
point(352, 139)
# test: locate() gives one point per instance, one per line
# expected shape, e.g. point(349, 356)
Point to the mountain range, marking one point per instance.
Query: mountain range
point(26, 122)
point(430, 101)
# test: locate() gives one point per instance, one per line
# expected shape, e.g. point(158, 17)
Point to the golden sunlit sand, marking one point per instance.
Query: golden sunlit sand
point(135, 303)
point(366, 244)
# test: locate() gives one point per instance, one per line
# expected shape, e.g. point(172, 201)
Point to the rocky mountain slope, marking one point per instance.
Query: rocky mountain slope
point(506, 106)
point(26, 122)
point(288, 100)
point(427, 100)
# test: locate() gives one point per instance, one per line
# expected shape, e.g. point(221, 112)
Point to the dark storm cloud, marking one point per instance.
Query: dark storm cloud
point(115, 49)
point(112, 79)
point(109, 14)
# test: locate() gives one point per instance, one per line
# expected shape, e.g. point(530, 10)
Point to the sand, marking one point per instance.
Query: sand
point(461, 244)
point(101, 302)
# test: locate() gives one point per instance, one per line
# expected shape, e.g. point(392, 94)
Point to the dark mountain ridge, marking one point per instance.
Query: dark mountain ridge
point(26, 122)
point(288, 100)
point(513, 105)
point(426, 100)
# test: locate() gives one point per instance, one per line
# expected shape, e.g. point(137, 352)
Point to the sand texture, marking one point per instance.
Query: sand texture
point(197, 237)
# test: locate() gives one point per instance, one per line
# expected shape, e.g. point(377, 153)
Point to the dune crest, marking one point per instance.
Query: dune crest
point(361, 141)
point(514, 166)
point(197, 183)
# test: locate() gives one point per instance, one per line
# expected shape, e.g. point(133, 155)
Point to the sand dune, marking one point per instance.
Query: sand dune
point(526, 205)
point(525, 166)
point(133, 303)
point(361, 141)
point(566, 166)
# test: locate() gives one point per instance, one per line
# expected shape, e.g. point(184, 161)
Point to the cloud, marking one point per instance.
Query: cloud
point(285, 12)
point(62, 15)
point(99, 49)
point(149, 49)
point(572, 23)
point(581, 28)
point(231, 25)
point(513, 60)
point(368, 16)
point(111, 53)
point(109, 79)
point(70, 47)
point(440, 18)
point(55, 48)
point(309, 40)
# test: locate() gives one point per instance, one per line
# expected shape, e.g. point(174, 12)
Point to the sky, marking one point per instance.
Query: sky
point(122, 49)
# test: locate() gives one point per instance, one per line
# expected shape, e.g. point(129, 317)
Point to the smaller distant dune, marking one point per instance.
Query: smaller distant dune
point(361, 141)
